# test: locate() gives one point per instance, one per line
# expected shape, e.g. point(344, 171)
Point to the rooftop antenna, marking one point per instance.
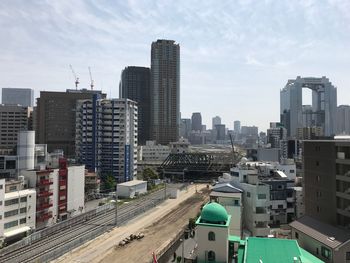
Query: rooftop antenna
point(75, 77)
point(91, 80)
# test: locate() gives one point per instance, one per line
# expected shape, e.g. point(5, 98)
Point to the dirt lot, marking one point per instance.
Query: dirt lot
point(158, 234)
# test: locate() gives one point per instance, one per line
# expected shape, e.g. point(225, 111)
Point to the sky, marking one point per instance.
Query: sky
point(235, 55)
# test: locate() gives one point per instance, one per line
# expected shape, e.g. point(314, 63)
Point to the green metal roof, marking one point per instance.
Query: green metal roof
point(214, 213)
point(274, 250)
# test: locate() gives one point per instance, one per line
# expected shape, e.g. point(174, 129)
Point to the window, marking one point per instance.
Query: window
point(13, 188)
point(22, 221)
point(23, 210)
point(211, 236)
point(11, 202)
point(211, 256)
point(248, 194)
point(236, 203)
point(23, 199)
point(280, 206)
point(347, 255)
point(296, 235)
point(325, 252)
point(317, 163)
point(11, 224)
point(291, 171)
point(261, 196)
point(1, 186)
point(318, 209)
point(11, 213)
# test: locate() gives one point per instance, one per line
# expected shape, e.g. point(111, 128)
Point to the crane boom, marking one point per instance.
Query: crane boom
point(76, 79)
point(91, 80)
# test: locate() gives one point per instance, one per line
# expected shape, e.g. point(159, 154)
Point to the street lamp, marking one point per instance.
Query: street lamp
point(116, 205)
point(182, 252)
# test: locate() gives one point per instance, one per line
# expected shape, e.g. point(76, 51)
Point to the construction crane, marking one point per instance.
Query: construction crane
point(75, 77)
point(91, 80)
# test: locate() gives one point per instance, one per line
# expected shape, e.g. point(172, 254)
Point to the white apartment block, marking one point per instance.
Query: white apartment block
point(17, 210)
point(106, 137)
point(60, 192)
point(152, 152)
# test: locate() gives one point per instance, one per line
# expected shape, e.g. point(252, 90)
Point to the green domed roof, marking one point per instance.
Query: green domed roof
point(214, 213)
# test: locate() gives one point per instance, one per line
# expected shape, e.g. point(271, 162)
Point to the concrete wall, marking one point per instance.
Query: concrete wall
point(235, 211)
point(2, 199)
point(126, 191)
point(75, 191)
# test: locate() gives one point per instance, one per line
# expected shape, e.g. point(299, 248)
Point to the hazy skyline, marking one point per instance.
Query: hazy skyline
point(235, 55)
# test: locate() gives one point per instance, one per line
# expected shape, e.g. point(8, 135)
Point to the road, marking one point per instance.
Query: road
point(78, 233)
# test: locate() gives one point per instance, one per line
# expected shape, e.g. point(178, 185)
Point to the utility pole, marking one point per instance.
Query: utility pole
point(116, 205)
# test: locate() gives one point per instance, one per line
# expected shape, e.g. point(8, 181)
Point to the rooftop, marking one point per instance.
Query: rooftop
point(327, 234)
point(274, 250)
point(133, 183)
point(226, 188)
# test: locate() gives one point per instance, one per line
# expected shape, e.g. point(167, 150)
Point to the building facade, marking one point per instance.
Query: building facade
point(324, 105)
point(215, 121)
point(55, 118)
point(196, 121)
point(17, 210)
point(237, 127)
point(13, 119)
point(23, 97)
point(165, 91)
point(343, 119)
point(106, 137)
point(135, 85)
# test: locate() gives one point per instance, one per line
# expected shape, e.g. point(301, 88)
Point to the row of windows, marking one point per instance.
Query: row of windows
point(15, 223)
point(260, 196)
point(15, 201)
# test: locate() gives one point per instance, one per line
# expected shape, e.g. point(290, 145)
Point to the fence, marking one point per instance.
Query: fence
point(55, 228)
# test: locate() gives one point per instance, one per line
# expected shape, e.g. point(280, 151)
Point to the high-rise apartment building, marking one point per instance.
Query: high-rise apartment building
point(216, 121)
point(23, 97)
point(165, 87)
point(135, 85)
point(55, 118)
point(237, 127)
point(13, 119)
point(275, 135)
point(220, 132)
point(343, 119)
point(106, 137)
point(196, 121)
point(322, 112)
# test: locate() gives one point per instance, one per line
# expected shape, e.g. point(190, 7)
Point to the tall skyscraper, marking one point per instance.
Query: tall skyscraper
point(106, 137)
point(343, 119)
point(23, 97)
point(215, 121)
point(196, 121)
point(324, 105)
point(135, 84)
point(165, 87)
point(55, 118)
point(185, 128)
point(237, 127)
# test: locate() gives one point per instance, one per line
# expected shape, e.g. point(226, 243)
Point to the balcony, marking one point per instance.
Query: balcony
point(45, 182)
point(43, 206)
point(345, 194)
point(44, 216)
point(290, 199)
point(44, 194)
point(345, 177)
point(261, 217)
point(62, 182)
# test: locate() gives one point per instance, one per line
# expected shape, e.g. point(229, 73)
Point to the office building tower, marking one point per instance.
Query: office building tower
point(135, 85)
point(165, 91)
point(237, 127)
point(13, 119)
point(220, 132)
point(185, 128)
point(275, 136)
point(196, 121)
point(215, 121)
point(106, 137)
point(55, 118)
point(324, 104)
point(343, 119)
point(23, 97)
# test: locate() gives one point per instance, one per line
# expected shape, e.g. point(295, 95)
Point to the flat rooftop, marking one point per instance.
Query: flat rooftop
point(133, 183)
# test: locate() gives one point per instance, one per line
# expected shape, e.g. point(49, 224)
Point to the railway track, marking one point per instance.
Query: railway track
point(99, 224)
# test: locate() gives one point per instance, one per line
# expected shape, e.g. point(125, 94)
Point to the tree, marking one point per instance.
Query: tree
point(109, 183)
point(149, 174)
point(191, 223)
